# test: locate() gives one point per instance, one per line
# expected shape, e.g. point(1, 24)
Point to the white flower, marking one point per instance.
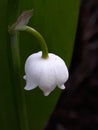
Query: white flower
point(45, 73)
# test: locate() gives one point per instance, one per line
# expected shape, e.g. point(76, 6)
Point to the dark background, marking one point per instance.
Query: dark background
point(77, 108)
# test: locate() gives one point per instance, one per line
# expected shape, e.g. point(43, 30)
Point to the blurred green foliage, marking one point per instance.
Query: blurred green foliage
point(57, 22)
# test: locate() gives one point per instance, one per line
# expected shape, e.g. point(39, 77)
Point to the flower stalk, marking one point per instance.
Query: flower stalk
point(17, 81)
point(21, 25)
point(39, 38)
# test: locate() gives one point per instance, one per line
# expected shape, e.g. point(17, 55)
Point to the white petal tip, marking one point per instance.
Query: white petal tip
point(24, 77)
point(62, 87)
point(46, 94)
point(30, 87)
point(27, 88)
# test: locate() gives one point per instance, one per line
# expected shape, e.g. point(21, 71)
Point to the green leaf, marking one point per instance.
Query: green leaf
point(57, 22)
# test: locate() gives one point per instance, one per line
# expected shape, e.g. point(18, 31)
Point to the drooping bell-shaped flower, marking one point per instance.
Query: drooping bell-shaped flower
point(42, 69)
point(45, 73)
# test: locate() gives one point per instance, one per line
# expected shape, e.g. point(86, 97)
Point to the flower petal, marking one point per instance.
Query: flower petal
point(24, 77)
point(29, 87)
point(46, 93)
point(29, 84)
point(62, 87)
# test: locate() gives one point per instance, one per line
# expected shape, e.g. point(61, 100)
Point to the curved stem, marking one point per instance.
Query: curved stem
point(40, 39)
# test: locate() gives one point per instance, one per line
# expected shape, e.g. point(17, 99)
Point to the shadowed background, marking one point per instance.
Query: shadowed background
point(77, 108)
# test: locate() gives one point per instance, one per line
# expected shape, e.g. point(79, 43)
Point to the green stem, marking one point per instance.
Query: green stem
point(17, 70)
point(40, 39)
point(17, 82)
